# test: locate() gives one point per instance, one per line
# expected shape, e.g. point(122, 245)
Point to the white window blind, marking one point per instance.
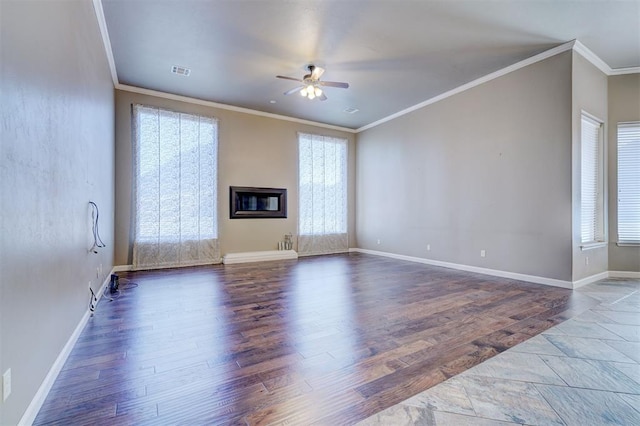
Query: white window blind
point(322, 194)
point(629, 182)
point(175, 188)
point(592, 181)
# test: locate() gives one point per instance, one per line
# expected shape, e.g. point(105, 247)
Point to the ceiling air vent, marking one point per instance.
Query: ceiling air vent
point(350, 110)
point(180, 70)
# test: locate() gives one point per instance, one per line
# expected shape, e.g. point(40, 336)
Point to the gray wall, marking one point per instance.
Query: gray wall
point(57, 154)
point(486, 169)
point(589, 93)
point(253, 151)
point(624, 105)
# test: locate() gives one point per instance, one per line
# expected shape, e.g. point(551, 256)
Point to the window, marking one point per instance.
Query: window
point(175, 188)
point(592, 181)
point(322, 194)
point(629, 183)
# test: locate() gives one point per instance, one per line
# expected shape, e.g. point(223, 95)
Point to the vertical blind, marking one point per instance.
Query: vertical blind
point(592, 183)
point(629, 182)
point(175, 188)
point(322, 166)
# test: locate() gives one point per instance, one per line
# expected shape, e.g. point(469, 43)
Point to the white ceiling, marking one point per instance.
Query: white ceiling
point(395, 54)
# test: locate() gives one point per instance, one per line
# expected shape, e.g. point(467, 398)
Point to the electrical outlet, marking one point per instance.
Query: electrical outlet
point(483, 253)
point(428, 247)
point(6, 384)
point(378, 242)
point(586, 260)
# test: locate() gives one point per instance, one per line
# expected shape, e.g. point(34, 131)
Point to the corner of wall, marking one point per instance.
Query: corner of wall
point(589, 89)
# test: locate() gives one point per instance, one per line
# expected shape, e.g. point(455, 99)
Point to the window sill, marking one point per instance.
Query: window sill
point(591, 246)
point(628, 244)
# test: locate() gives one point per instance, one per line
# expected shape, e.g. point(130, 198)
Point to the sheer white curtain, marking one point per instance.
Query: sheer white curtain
point(175, 188)
point(322, 194)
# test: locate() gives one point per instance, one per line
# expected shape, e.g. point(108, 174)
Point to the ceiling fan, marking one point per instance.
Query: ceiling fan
point(311, 84)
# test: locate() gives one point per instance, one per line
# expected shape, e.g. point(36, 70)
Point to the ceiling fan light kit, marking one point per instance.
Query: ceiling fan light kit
point(311, 82)
point(311, 92)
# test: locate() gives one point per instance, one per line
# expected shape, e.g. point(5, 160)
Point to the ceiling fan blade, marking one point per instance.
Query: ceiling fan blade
point(322, 97)
point(288, 78)
point(294, 90)
point(317, 73)
point(334, 84)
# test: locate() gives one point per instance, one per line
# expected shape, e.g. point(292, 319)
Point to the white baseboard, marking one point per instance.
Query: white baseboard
point(591, 279)
point(258, 256)
point(494, 272)
point(323, 253)
point(30, 414)
point(122, 268)
point(513, 275)
point(624, 274)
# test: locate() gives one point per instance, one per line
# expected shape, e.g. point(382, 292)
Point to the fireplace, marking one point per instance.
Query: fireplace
point(251, 203)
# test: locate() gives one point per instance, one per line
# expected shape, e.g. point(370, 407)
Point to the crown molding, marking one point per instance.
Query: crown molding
point(102, 24)
point(511, 68)
point(106, 41)
point(202, 102)
point(595, 60)
point(586, 53)
point(624, 71)
point(574, 45)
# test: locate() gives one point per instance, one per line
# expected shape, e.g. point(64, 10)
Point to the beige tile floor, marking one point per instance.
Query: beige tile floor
point(585, 371)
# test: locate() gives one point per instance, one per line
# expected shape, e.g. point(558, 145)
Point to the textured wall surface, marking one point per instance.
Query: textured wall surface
point(57, 154)
point(487, 169)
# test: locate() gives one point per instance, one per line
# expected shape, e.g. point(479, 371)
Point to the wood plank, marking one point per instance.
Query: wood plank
point(327, 339)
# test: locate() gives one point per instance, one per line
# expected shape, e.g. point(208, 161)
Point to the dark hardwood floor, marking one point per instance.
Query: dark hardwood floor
point(327, 340)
